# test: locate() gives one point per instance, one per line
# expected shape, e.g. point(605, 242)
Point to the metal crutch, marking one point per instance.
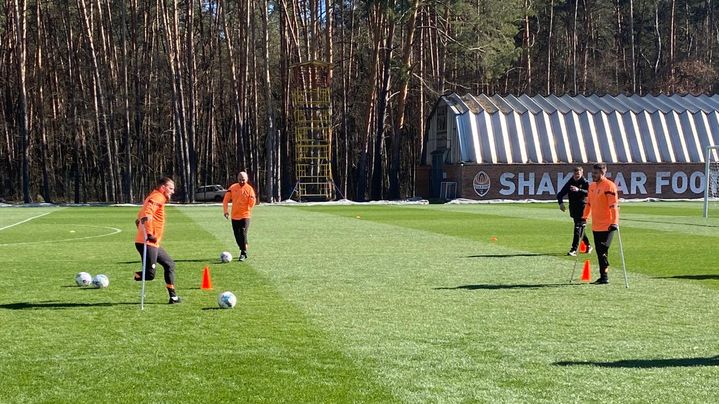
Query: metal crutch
point(624, 264)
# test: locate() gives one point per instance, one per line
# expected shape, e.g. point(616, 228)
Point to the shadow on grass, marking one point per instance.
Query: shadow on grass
point(692, 277)
point(668, 222)
point(86, 287)
point(61, 305)
point(204, 260)
point(648, 363)
point(506, 286)
point(213, 261)
point(516, 255)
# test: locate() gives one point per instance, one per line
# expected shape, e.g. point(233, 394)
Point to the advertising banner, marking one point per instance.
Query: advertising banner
point(543, 181)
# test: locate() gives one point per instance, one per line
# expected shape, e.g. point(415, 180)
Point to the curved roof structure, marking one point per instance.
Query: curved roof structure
point(577, 129)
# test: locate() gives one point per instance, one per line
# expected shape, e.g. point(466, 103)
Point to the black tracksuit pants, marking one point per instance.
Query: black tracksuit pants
point(240, 228)
point(157, 255)
point(579, 231)
point(602, 242)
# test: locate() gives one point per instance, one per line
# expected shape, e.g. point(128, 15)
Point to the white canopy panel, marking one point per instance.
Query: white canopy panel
point(582, 129)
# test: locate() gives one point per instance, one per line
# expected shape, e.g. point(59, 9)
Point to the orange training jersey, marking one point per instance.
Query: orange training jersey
point(153, 208)
point(243, 200)
point(603, 204)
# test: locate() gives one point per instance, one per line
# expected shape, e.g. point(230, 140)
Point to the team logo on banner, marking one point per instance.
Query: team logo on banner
point(481, 183)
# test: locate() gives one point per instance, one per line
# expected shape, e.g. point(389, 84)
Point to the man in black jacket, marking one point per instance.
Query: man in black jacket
point(576, 189)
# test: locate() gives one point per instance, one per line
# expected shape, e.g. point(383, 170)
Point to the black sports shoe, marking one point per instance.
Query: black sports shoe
point(243, 256)
point(589, 249)
point(175, 300)
point(601, 281)
point(572, 253)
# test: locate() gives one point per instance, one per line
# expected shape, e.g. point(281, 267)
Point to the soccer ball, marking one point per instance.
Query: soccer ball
point(225, 257)
point(227, 300)
point(83, 279)
point(101, 281)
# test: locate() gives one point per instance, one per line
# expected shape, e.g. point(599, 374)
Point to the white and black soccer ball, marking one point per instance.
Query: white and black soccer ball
point(83, 279)
point(101, 281)
point(225, 257)
point(227, 300)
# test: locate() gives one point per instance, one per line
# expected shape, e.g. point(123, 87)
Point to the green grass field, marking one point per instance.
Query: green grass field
point(439, 303)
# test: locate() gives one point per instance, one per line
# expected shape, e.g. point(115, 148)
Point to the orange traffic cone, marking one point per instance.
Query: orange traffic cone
point(587, 272)
point(582, 247)
point(206, 281)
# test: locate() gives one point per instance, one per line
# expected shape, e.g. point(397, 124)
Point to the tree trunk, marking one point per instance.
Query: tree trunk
point(191, 109)
point(270, 177)
point(20, 19)
point(672, 45)
point(172, 41)
point(127, 144)
point(382, 99)
point(527, 46)
point(657, 31)
point(238, 92)
point(550, 32)
point(99, 104)
point(575, 40)
point(405, 76)
point(45, 162)
point(374, 62)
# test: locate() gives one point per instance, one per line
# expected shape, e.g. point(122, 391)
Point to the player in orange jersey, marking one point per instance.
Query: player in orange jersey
point(242, 196)
point(152, 217)
point(603, 205)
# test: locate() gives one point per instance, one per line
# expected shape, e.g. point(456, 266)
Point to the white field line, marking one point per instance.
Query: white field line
point(25, 221)
point(115, 230)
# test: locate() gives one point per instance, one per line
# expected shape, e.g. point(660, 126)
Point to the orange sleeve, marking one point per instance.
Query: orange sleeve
point(252, 200)
point(148, 211)
point(226, 200)
point(613, 203)
point(148, 208)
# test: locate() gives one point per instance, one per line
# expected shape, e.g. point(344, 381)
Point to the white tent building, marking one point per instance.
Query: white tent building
point(515, 130)
point(552, 129)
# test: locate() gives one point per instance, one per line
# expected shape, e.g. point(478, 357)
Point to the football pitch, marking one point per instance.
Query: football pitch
point(436, 303)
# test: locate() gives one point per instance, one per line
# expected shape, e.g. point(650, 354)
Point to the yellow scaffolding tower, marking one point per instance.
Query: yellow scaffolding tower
point(312, 113)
